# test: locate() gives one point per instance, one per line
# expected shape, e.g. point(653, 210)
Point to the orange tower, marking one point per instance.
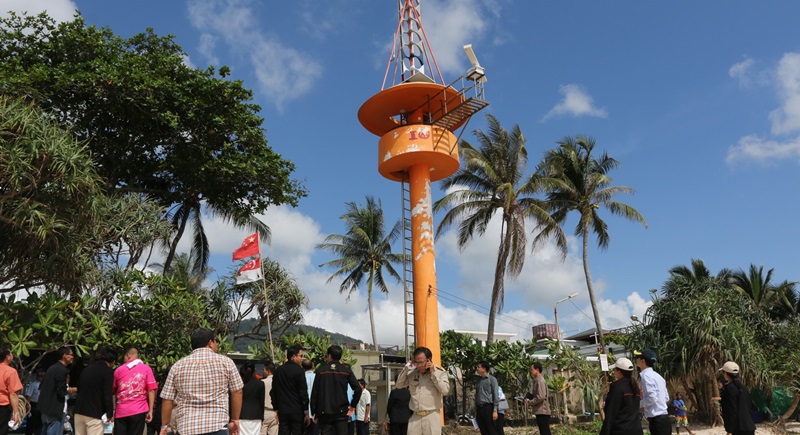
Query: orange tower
point(416, 118)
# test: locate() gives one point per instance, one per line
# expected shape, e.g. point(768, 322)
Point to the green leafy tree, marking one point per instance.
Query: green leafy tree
point(697, 326)
point(492, 180)
point(277, 303)
point(364, 252)
point(48, 321)
point(584, 186)
point(58, 227)
point(188, 138)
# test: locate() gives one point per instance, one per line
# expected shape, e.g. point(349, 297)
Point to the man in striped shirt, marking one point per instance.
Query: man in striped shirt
point(198, 386)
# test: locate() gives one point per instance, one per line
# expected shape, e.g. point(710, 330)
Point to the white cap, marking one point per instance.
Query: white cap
point(624, 364)
point(730, 367)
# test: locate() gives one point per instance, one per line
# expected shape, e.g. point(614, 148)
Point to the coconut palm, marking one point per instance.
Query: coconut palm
point(364, 252)
point(761, 291)
point(584, 186)
point(492, 180)
point(191, 211)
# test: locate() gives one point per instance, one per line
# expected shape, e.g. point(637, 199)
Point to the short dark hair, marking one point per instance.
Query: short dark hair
point(269, 366)
point(4, 352)
point(335, 351)
point(362, 382)
point(293, 351)
point(61, 351)
point(484, 365)
point(423, 350)
point(538, 366)
point(106, 355)
point(307, 364)
point(201, 337)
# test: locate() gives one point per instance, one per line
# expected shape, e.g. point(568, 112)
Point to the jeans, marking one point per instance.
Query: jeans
point(52, 425)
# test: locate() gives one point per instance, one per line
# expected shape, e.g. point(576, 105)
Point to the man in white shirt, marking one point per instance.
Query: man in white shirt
point(362, 410)
point(654, 394)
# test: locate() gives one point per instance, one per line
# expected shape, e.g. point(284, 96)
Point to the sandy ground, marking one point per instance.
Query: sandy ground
point(761, 429)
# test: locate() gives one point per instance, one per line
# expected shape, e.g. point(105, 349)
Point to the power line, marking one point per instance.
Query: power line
point(511, 320)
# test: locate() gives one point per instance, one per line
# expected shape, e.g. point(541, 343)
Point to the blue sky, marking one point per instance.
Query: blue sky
point(699, 101)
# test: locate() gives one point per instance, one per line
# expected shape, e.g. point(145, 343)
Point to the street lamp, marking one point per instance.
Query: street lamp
point(558, 337)
point(555, 314)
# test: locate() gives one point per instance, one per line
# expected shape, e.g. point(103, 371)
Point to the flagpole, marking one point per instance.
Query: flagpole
point(266, 308)
point(266, 301)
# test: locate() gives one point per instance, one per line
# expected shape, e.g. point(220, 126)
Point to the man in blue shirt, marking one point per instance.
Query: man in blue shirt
point(654, 394)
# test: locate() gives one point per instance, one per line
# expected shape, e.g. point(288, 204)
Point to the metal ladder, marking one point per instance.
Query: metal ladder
point(408, 270)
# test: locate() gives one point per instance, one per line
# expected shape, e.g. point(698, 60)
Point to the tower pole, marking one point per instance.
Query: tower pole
point(426, 306)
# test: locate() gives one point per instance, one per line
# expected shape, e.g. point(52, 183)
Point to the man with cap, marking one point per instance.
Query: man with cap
point(735, 402)
point(654, 394)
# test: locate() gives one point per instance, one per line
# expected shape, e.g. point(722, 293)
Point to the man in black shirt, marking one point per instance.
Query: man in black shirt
point(96, 390)
point(398, 412)
point(53, 391)
point(329, 402)
point(289, 394)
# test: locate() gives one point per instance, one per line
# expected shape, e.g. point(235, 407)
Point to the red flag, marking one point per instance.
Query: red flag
point(249, 272)
point(248, 249)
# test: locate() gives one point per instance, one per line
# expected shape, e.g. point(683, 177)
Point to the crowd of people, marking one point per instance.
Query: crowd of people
point(629, 399)
point(206, 394)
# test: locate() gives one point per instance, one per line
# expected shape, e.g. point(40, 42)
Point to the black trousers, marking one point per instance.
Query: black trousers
point(291, 424)
point(34, 426)
point(333, 426)
point(543, 422)
point(130, 425)
point(660, 425)
point(398, 428)
point(5, 417)
point(483, 414)
point(499, 424)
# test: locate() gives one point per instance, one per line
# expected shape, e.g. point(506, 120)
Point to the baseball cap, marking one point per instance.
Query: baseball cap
point(647, 355)
point(624, 364)
point(730, 367)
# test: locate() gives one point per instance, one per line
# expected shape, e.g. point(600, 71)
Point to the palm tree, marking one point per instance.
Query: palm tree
point(364, 252)
point(684, 280)
point(491, 180)
point(760, 290)
point(584, 186)
point(191, 211)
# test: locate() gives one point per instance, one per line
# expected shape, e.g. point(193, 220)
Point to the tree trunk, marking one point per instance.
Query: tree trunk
point(786, 415)
point(597, 323)
point(499, 275)
point(174, 244)
point(371, 315)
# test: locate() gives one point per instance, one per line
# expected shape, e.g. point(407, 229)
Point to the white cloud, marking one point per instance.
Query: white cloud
point(283, 73)
point(786, 119)
point(753, 148)
point(577, 102)
point(294, 239)
point(451, 24)
point(742, 71)
point(59, 10)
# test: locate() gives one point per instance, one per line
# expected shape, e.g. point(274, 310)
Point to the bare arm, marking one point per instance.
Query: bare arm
point(166, 415)
point(236, 409)
point(14, 399)
point(151, 401)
